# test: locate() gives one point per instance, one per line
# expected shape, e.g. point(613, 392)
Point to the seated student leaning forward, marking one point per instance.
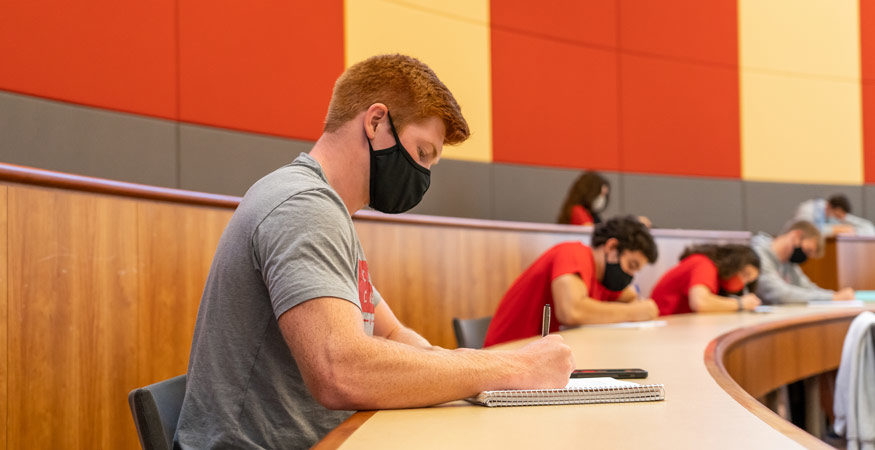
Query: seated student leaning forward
point(291, 335)
point(704, 277)
point(582, 285)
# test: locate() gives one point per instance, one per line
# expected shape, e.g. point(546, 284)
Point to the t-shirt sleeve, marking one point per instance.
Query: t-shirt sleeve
point(703, 271)
point(304, 249)
point(567, 260)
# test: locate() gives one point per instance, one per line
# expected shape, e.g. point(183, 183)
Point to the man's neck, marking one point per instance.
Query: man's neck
point(598, 257)
point(782, 248)
point(345, 166)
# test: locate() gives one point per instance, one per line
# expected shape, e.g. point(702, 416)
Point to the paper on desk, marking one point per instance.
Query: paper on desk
point(837, 303)
point(645, 324)
point(866, 296)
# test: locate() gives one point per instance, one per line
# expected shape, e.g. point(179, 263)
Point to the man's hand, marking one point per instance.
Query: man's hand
point(645, 309)
point(546, 364)
point(750, 301)
point(844, 294)
point(843, 229)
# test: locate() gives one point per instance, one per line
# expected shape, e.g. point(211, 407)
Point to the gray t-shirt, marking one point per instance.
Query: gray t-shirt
point(290, 240)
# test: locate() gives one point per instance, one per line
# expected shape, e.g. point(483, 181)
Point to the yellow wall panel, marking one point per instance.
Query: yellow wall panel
point(814, 37)
point(796, 129)
point(477, 11)
point(451, 37)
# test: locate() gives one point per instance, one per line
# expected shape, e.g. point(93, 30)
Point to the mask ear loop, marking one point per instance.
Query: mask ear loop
point(392, 126)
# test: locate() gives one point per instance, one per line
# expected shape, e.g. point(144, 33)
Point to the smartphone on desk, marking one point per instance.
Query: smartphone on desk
point(613, 373)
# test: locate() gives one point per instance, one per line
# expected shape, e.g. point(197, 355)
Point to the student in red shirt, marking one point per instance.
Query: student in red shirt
point(705, 277)
point(587, 199)
point(582, 285)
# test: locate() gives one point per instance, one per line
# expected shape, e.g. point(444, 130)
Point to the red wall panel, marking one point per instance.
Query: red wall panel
point(265, 67)
point(554, 104)
point(104, 53)
point(679, 118)
point(689, 29)
point(867, 68)
point(554, 83)
point(589, 22)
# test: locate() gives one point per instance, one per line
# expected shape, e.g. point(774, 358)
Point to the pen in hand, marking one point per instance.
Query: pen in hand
point(545, 321)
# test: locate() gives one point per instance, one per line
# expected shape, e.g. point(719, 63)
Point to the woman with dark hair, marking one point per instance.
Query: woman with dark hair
point(586, 199)
point(705, 278)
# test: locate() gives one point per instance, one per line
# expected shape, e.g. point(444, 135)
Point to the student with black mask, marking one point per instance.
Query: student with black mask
point(781, 279)
point(582, 284)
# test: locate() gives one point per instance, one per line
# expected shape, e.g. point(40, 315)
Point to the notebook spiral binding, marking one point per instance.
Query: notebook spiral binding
point(531, 397)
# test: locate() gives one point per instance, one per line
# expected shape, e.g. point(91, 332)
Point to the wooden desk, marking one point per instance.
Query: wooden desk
point(846, 263)
point(699, 411)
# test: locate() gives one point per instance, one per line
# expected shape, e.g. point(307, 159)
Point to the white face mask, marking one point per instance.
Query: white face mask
point(599, 204)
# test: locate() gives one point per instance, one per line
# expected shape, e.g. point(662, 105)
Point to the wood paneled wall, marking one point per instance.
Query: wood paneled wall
point(4, 308)
point(103, 295)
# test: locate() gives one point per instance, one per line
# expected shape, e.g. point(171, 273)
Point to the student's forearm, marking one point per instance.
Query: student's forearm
point(709, 302)
point(591, 311)
point(407, 336)
point(383, 374)
point(775, 290)
point(344, 368)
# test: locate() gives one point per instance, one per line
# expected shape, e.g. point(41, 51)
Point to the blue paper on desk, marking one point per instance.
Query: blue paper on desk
point(866, 296)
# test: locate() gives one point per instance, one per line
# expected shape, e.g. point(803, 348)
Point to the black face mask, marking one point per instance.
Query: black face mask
point(615, 278)
point(798, 256)
point(397, 181)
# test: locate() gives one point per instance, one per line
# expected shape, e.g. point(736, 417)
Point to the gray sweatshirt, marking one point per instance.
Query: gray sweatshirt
point(783, 282)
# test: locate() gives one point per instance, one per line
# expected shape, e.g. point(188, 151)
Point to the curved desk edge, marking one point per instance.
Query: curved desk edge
point(718, 348)
point(337, 436)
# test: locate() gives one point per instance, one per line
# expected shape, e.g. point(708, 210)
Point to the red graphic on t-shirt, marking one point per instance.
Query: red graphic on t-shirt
point(366, 291)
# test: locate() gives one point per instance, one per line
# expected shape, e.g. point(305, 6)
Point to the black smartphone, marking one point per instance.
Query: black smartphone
point(613, 373)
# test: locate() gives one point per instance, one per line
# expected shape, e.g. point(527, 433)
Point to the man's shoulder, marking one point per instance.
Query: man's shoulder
point(570, 248)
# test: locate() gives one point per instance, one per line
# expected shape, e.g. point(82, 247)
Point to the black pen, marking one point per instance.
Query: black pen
point(545, 321)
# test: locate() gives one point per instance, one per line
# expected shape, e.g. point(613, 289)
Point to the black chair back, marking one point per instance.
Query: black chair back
point(470, 333)
point(156, 411)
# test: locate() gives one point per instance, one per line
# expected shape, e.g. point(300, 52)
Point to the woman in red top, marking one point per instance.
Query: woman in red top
point(587, 199)
point(705, 277)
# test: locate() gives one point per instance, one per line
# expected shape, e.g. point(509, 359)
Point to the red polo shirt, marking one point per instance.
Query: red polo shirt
point(672, 291)
point(520, 311)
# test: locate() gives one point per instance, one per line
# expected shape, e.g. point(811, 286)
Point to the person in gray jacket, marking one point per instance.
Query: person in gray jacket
point(781, 279)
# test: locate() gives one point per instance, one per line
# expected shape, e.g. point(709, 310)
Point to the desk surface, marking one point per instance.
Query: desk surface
point(697, 412)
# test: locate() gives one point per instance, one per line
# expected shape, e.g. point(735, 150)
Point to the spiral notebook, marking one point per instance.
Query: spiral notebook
point(578, 391)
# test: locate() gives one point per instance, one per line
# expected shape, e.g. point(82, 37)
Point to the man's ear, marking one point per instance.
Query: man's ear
point(374, 116)
point(611, 244)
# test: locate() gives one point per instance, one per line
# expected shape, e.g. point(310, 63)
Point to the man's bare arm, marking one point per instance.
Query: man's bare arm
point(344, 368)
point(388, 326)
point(575, 307)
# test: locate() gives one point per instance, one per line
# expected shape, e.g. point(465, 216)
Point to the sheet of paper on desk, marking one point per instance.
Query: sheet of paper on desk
point(866, 296)
point(644, 324)
point(837, 304)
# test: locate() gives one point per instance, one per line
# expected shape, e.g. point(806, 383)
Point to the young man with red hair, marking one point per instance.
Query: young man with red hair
point(291, 336)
